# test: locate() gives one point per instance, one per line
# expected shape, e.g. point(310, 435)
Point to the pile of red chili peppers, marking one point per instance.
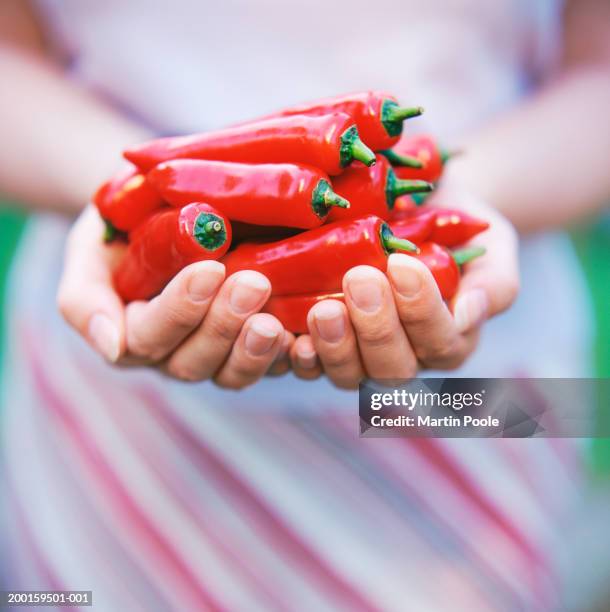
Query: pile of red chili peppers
point(301, 196)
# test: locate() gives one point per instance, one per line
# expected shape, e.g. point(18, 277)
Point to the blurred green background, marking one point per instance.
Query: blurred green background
point(592, 244)
point(11, 226)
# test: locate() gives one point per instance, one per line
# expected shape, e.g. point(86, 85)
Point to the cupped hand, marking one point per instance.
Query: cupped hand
point(394, 324)
point(202, 326)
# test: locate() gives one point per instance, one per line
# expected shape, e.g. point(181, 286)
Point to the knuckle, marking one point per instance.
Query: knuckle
point(223, 329)
point(376, 336)
point(417, 313)
point(181, 317)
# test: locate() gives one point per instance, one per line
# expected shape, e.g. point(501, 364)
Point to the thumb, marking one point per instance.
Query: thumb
point(86, 296)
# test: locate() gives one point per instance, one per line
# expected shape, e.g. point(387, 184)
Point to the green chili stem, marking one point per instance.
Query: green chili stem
point(334, 199)
point(323, 197)
point(467, 254)
point(448, 155)
point(209, 231)
point(402, 187)
point(361, 152)
point(398, 114)
point(213, 227)
point(110, 232)
point(404, 161)
point(394, 243)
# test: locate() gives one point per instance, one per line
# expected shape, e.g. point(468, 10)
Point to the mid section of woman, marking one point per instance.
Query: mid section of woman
point(159, 494)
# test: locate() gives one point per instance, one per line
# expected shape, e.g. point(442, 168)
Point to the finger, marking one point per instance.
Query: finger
point(304, 359)
point(426, 319)
point(383, 344)
point(335, 343)
point(86, 297)
point(203, 352)
point(157, 327)
point(490, 283)
point(281, 364)
point(257, 346)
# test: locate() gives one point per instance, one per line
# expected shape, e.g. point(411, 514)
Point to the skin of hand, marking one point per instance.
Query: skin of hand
point(202, 326)
point(391, 325)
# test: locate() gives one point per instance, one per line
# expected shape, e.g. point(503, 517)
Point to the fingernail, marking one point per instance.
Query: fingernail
point(260, 338)
point(470, 310)
point(307, 360)
point(364, 289)
point(330, 324)
point(205, 282)
point(404, 274)
point(104, 336)
point(248, 292)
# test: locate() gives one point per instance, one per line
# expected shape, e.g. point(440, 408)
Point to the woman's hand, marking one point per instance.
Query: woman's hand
point(200, 327)
point(392, 325)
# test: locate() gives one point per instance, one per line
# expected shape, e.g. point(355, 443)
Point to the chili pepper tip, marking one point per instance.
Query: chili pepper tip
point(404, 161)
point(465, 255)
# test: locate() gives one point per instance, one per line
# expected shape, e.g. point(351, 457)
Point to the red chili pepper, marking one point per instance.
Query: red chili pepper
point(126, 200)
point(288, 195)
point(416, 228)
point(292, 310)
point(167, 242)
point(378, 116)
point(316, 260)
point(372, 191)
point(444, 265)
point(328, 142)
point(423, 148)
point(454, 227)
